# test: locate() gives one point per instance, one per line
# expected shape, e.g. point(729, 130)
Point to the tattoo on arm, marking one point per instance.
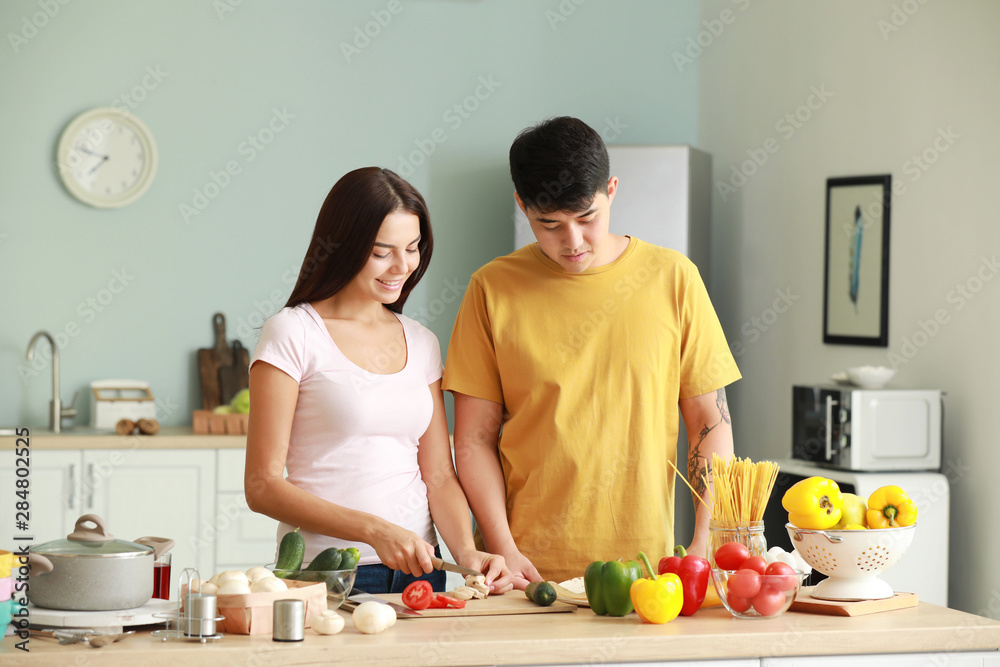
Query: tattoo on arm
point(723, 404)
point(698, 468)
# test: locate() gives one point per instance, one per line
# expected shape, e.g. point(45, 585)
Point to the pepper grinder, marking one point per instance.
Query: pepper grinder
point(289, 621)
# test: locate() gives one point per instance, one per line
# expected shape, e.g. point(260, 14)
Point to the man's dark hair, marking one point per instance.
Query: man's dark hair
point(559, 165)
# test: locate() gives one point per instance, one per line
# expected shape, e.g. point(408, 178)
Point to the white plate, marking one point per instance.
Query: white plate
point(841, 378)
point(59, 618)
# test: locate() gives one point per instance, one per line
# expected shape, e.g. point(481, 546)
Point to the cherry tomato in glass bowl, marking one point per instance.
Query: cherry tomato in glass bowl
point(744, 583)
point(769, 601)
point(781, 576)
point(756, 563)
point(418, 595)
point(731, 555)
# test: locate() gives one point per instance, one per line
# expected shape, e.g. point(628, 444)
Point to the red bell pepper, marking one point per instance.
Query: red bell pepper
point(693, 572)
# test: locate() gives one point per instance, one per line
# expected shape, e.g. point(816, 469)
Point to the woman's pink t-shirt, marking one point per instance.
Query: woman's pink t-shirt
point(355, 433)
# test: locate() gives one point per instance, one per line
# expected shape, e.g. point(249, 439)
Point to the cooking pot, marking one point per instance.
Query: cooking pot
point(92, 571)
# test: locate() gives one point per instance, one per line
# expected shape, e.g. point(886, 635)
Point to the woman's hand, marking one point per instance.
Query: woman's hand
point(401, 549)
point(498, 575)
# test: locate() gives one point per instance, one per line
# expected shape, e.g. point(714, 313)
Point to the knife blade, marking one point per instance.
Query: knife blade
point(359, 596)
point(451, 567)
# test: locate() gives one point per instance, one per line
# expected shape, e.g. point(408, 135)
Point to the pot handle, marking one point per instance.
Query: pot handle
point(82, 533)
point(161, 545)
point(38, 563)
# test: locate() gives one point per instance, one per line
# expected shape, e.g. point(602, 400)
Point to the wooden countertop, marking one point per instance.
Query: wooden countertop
point(577, 637)
point(173, 437)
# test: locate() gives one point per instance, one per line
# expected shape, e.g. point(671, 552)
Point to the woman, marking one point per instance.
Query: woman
point(346, 392)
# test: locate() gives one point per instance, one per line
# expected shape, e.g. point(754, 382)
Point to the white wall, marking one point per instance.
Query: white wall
point(894, 79)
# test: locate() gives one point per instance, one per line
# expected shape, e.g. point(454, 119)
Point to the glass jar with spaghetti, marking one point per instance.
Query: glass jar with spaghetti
point(740, 489)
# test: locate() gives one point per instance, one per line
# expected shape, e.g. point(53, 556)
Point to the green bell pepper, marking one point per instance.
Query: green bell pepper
point(608, 584)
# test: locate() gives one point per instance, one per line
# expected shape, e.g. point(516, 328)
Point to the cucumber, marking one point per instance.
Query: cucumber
point(541, 593)
point(291, 551)
point(328, 559)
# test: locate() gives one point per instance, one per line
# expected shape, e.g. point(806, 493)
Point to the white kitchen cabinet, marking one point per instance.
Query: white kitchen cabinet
point(243, 538)
point(159, 492)
point(54, 483)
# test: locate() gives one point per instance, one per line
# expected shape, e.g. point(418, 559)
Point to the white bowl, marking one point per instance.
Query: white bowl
point(852, 559)
point(870, 377)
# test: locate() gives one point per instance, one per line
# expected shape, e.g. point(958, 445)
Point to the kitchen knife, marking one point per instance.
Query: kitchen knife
point(451, 567)
point(359, 596)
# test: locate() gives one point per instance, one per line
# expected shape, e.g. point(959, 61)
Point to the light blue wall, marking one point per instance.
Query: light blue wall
point(220, 76)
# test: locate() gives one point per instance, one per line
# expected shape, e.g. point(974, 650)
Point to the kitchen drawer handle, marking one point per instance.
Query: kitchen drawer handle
point(92, 482)
point(829, 428)
point(71, 498)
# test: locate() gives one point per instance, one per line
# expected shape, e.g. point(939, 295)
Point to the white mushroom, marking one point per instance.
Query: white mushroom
point(373, 617)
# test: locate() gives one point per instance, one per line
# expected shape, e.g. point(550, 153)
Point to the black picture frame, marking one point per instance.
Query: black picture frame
point(856, 262)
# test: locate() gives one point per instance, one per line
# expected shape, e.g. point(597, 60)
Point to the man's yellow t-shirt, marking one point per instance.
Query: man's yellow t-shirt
point(589, 368)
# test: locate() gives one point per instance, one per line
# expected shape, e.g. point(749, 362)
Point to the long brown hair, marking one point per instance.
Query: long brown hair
point(346, 229)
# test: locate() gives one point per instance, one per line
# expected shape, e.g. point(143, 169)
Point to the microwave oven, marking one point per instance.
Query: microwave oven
point(867, 429)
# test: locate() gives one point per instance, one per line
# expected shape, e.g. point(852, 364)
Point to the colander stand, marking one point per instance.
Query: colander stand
point(852, 588)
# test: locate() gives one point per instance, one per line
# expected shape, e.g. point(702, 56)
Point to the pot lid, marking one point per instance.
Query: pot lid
point(94, 540)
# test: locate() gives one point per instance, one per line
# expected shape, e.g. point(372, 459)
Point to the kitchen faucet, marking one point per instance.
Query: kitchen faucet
point(56, 412)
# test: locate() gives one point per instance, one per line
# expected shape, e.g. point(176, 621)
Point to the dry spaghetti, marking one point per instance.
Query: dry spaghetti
point(740, 488)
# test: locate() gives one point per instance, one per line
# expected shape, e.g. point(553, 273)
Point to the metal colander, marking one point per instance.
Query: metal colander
point(852, 559)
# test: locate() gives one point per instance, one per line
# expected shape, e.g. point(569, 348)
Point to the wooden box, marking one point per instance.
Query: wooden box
point(206, 422)
point(253, 613)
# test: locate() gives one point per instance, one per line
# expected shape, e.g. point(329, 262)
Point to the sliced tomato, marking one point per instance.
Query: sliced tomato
point(418, 595)
point(441, 601)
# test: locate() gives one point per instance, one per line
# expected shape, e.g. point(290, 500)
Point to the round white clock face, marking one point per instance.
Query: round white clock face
point(107, 158)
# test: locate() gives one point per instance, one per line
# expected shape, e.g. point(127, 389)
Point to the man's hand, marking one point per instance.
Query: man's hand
point(521, 569)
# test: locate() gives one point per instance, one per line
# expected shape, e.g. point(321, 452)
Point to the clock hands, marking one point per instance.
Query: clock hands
point(86, 150)
point(104, 158)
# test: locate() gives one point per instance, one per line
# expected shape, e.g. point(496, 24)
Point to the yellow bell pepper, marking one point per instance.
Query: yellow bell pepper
point(814, 503)
point(657, 599)
point(890, 507)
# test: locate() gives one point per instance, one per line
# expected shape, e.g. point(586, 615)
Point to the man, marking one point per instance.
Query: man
point(582, 346)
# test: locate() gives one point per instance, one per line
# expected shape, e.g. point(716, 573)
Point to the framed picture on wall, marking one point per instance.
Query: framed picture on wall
point(856, 266)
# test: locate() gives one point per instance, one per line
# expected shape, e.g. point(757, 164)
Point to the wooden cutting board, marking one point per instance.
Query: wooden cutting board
point(805, 603)
point(495, 605)
point(222, 370)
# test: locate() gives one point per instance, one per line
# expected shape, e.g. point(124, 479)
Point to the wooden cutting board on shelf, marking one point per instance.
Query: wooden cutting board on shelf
point(222, 370)
point(495, 605)
point(806, 603)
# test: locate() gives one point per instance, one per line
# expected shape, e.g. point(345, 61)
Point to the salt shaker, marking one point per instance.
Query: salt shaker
point(201, 614)
point(289, 621)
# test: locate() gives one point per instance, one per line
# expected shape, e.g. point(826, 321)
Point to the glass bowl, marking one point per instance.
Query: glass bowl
point(772, 593)
point(338, 582)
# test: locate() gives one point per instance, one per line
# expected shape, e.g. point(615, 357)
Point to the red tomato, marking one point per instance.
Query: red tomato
point(781, 576)
point(756, 563)
point(769, 601)
point(744, 583)
point(418, 595)
point(440, 601)
point(730, 556)
point(738, 604)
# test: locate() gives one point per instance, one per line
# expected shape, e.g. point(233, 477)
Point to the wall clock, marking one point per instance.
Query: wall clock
point(106, 157)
